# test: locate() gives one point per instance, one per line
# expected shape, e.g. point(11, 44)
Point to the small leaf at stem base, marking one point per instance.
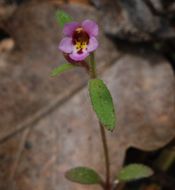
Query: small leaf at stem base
point(83, 175)
point(134, 172)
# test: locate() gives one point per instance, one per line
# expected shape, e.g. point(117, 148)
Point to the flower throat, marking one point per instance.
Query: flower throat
point(80, 40)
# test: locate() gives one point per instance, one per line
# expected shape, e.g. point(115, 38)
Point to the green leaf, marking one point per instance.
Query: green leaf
point(102, 103)
point(63, 18)
point(83, 175)
point(61, 69)
point(134, 172)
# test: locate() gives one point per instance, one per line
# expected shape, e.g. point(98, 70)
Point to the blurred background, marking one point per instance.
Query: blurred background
point(47, 124)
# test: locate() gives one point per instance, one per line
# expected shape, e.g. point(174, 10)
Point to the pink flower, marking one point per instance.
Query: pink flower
point(80, 39)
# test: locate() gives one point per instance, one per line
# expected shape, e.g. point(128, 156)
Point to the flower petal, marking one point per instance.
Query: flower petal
point(66, 45)
point(79, 57)
point(69, 28)
point(90, 27)
point(93, 44)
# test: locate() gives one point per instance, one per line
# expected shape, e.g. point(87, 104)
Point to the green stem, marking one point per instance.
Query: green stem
point(106, 153)
point(93, 75)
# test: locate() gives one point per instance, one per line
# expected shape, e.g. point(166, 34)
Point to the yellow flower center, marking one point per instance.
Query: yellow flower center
point(80, 45)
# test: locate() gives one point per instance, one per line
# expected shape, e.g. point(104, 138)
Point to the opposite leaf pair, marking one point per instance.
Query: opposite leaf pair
point(84, 175)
